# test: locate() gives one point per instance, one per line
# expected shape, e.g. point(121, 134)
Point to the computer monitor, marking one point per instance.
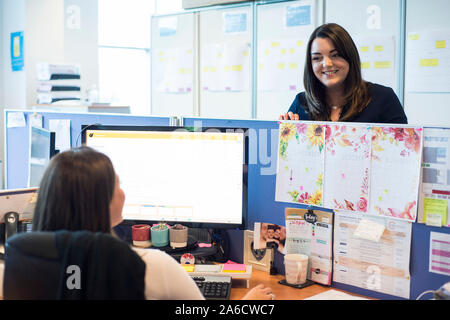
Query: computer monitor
point(42, 148)
point(20, 201)
point(193, 176)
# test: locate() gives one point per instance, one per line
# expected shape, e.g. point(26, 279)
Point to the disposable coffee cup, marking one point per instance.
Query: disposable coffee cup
point(296, 268)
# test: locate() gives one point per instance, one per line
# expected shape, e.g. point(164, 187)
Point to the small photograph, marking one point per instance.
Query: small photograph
point(272, 236)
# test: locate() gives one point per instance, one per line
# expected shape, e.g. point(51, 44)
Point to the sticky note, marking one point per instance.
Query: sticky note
point(365, 65)
point(188, 267)
point(205, 69)
point(281, 66)
point(413, 36)
point(275, 44)
point(283, 51)
point(237, 68)
point(260, 66)
point(292, 65)
point(267, 51)
point(233, 267)
point(378, 48)
point(382, 64)
point(291, 50)
point(299, 43)
point(364, 49)
point(440, 44)
point(429, 62)
point(227, 68)
point(434, 209)
point(369, 230)
point(245, 53)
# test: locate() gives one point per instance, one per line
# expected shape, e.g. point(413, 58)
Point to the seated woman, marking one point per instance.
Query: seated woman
point(81, 191)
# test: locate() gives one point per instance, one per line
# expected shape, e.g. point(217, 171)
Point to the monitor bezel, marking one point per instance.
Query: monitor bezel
point(201, 225)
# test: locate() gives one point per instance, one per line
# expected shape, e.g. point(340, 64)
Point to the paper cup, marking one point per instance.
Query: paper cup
point(296, 268)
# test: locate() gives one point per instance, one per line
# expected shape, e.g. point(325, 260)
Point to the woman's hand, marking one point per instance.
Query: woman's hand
point(289, 116)
point(259, 293)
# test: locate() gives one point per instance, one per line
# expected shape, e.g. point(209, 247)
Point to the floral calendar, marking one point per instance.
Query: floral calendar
point(365, 168)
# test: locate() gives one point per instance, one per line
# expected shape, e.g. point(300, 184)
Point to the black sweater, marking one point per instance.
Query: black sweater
point(384, 107)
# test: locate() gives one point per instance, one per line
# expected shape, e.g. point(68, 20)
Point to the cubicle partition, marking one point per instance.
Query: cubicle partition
point(17, 137)
point(262, 207)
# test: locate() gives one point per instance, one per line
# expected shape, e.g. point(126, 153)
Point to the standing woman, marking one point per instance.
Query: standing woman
point(334, 88)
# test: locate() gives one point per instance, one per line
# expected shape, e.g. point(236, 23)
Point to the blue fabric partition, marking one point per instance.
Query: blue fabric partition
point(17, 139)
point(262, 207)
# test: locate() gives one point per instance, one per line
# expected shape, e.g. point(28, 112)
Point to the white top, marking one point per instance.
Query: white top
point(165, 278)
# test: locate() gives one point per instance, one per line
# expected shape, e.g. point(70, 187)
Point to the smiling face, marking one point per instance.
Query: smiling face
point(329, 67)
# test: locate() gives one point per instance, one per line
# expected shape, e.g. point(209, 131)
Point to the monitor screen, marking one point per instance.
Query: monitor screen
point(21, 201)
point(39, 154)
point(191, 176)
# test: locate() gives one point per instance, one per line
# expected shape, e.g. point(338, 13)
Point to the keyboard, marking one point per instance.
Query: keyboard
point(214, 287)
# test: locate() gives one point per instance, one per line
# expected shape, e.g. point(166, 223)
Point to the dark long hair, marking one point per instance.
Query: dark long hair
point(75, 192)
point(356, 89)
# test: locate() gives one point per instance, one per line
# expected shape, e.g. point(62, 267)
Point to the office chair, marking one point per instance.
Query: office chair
point(66, 265)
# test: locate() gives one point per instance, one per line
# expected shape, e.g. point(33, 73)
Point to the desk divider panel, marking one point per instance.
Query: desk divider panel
point(17, 139)
point(262, 207)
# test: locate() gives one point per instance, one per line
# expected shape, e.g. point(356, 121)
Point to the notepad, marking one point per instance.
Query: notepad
point(188, 267)
point(233, 267)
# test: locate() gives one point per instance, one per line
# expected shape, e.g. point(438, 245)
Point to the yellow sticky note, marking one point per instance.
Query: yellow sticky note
point(413, 36)
point(188, 267)
point(227, 68)
point(364, 49)
point(432, 209)
point(378, 48)
point(291, 50)
point(266, 52)
point(281, 66)
point(212, 69)
point(440, 44)
point(283, 51)
point(299, 43)
point(205, 69)
point(429, 62)
point(275, 44)
point(365, 65)
point(16, 46)
point(189, 51)
point(219, 55)
point(245, 53)
point(292, 65)
point(237, 67)
point(382, 64)
point(260, 66)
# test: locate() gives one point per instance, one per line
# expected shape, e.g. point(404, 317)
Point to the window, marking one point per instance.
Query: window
point(124, 29)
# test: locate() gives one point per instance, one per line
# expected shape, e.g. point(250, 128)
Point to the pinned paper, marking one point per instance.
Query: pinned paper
point(435, 212)
point(61, 127)
point(16, 120)
point(35, 120)
point(369, 230)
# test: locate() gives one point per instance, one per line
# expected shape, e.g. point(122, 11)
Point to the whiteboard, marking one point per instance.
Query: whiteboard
point(368, 22)
point(281, 48)
point(432, 108)
point(220, 31)
point(173, 65)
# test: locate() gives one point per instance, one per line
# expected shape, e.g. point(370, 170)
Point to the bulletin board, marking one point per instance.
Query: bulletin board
point(17, 138)
point(427, 52)
point(173, 71)
point(225, 62)
point(375, 26)
point(283, 30)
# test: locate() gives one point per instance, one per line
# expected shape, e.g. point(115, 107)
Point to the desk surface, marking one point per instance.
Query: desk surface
point(281, 292)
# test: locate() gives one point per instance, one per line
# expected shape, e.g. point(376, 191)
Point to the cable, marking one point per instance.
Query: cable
point(93, 124)
point(424, 293)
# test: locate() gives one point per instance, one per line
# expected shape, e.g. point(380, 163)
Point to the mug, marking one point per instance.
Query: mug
point(296, 268)
point(141, 235)
point(160, 235)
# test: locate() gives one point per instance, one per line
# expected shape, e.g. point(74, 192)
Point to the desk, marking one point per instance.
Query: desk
point(281, 292)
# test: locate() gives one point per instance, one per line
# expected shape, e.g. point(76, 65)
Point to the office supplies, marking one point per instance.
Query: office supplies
point(214, 287)
point(233, 267)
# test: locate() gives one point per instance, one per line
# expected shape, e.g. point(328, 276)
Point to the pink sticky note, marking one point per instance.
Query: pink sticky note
point(233, 267)
point(343, 176)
